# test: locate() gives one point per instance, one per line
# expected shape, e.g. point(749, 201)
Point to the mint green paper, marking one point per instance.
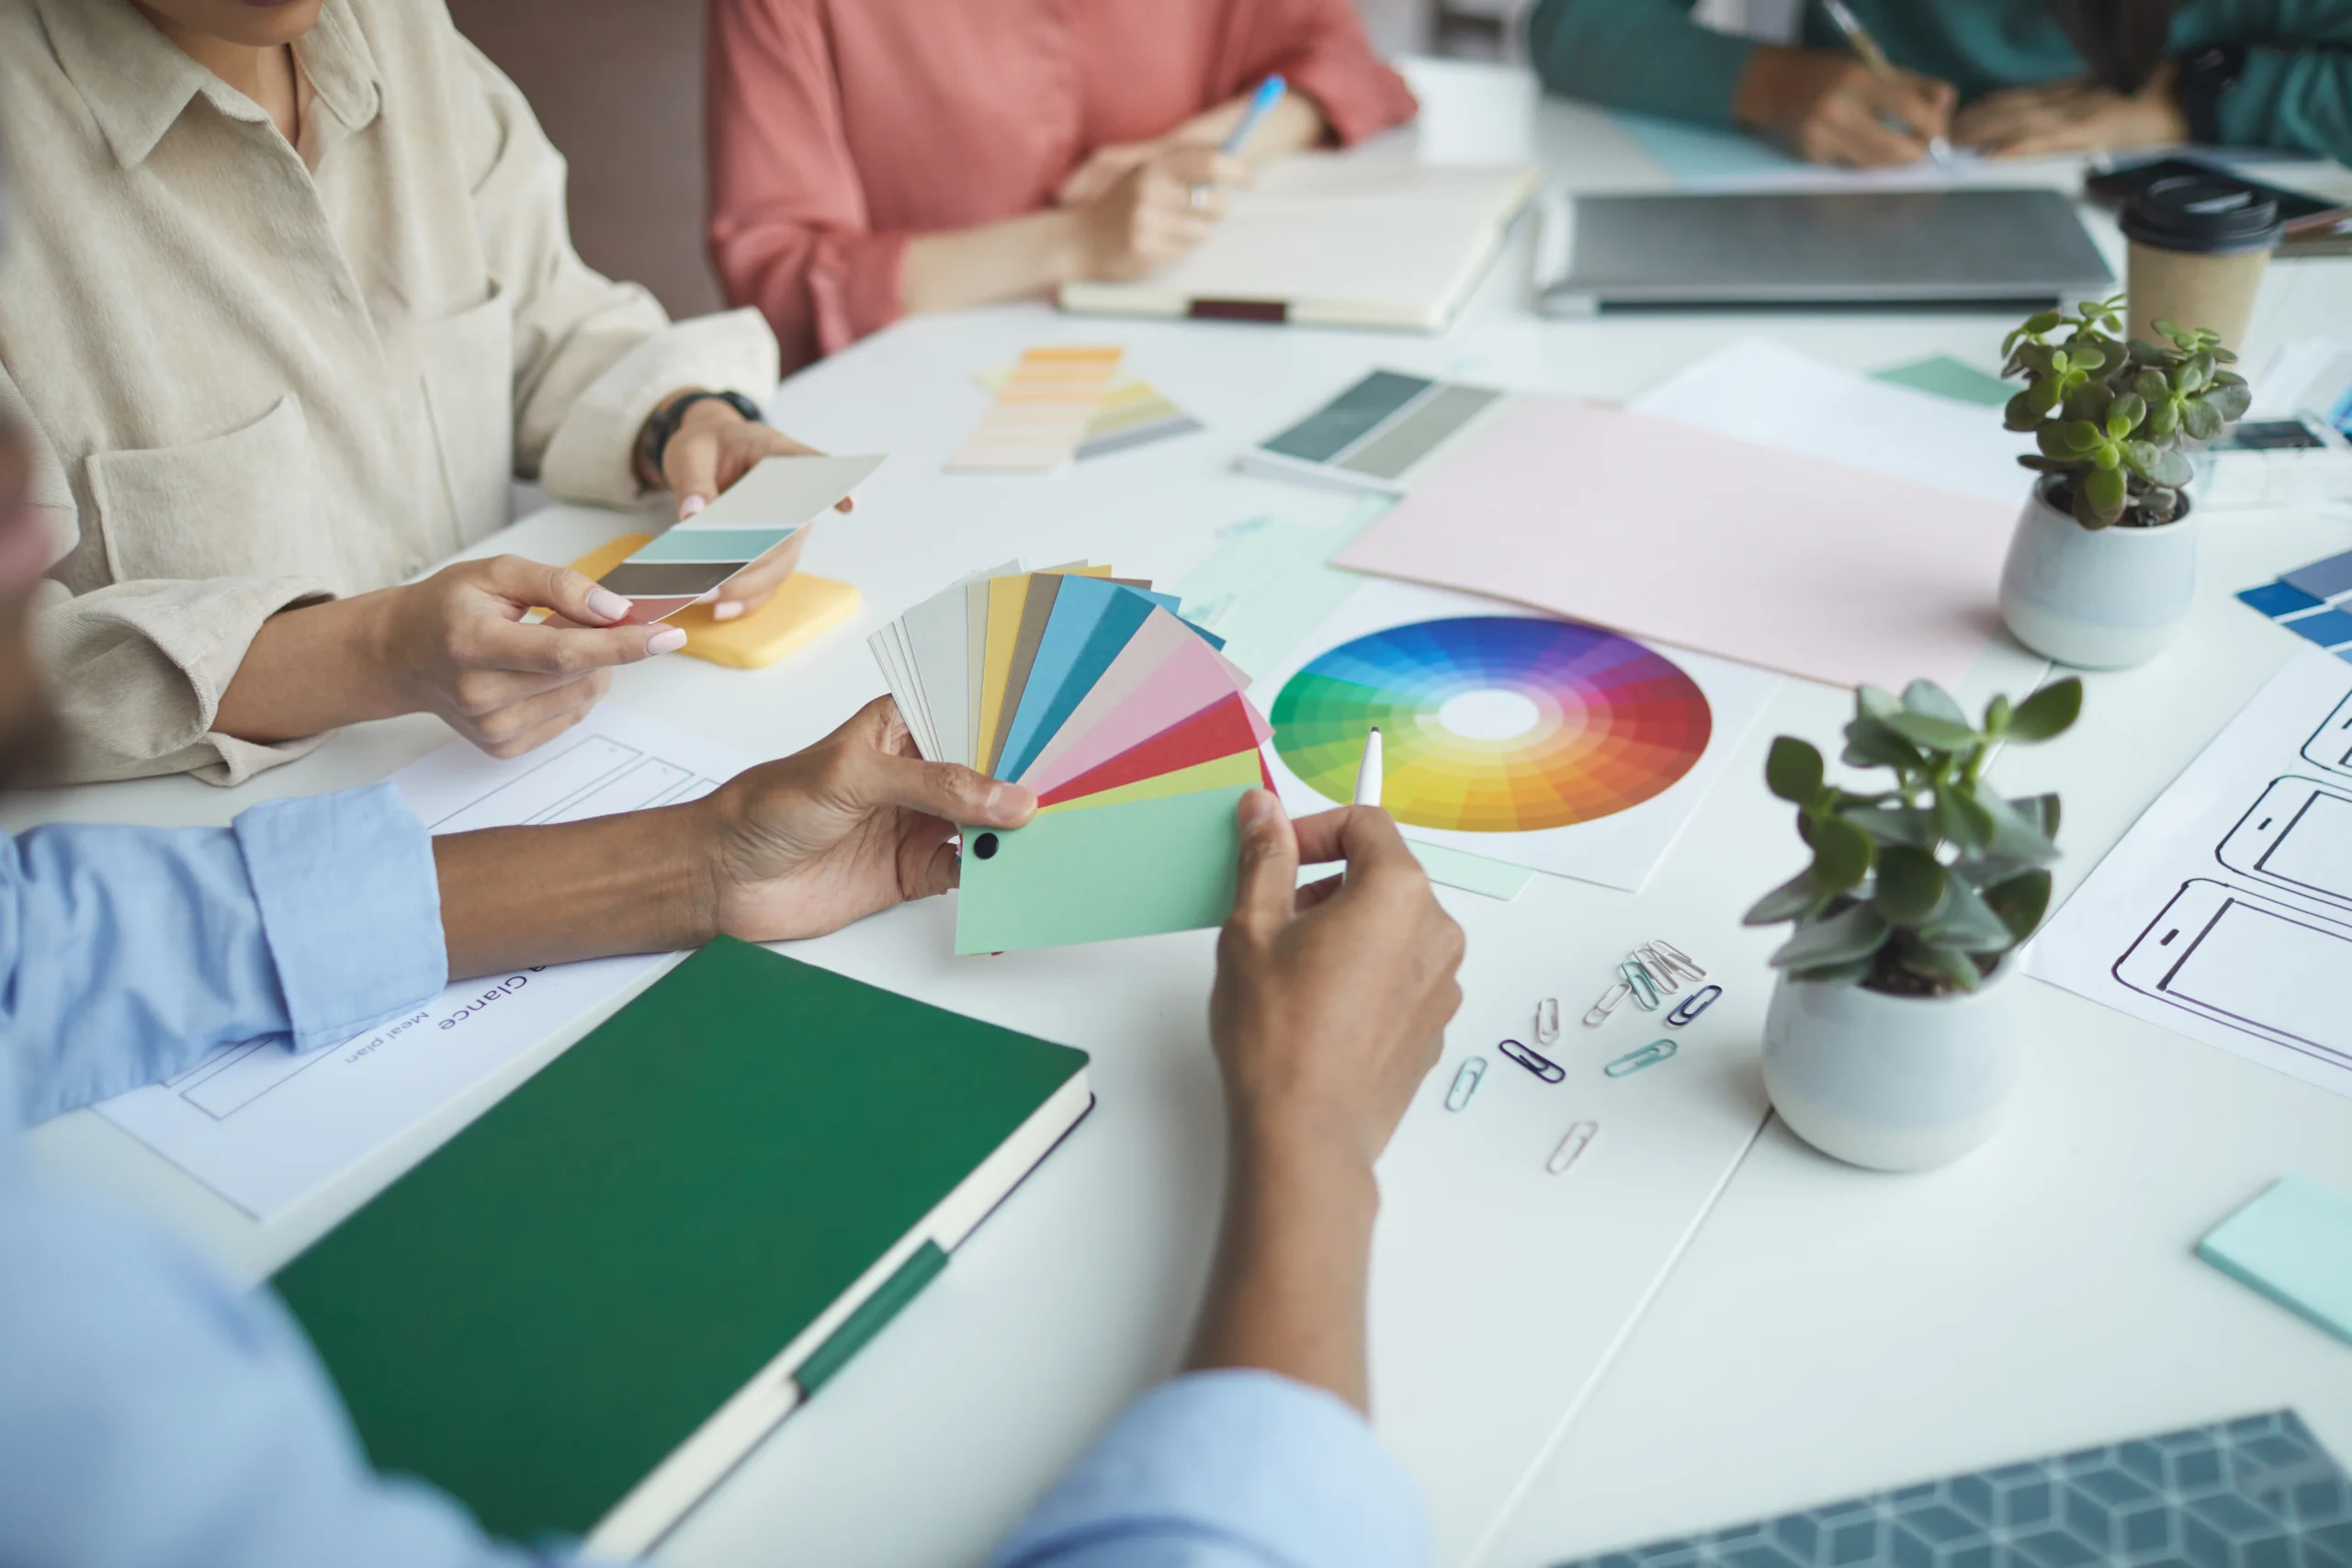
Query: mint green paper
point(1450, 867)
point(1134, 869)
point(2294, 1244)
point(1267, 585)
point(1944, 377)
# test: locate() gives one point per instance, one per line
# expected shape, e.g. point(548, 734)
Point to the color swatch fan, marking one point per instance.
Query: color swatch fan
point(1125, 720)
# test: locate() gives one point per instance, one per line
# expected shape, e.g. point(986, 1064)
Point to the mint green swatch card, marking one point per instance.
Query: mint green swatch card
point(1134, 869)
point(2294, 1244)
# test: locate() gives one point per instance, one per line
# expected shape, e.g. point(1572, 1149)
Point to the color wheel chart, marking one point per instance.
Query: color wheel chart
point(1495, 724)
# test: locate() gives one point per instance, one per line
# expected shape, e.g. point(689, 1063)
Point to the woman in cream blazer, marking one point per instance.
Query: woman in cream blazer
point(292, 303)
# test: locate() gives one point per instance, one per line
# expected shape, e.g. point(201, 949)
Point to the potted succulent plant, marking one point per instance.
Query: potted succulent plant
point(2104, 561)
point(1889, 1041)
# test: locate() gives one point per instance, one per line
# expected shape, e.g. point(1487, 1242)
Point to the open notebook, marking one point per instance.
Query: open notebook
point(1334, 240)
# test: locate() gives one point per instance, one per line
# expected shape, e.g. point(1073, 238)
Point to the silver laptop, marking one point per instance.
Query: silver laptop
point(2010, 249)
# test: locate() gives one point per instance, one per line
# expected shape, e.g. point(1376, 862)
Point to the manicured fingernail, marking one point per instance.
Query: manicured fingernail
point(606, 603)
point(668, 639)
point(689, 505)
point(726, 609)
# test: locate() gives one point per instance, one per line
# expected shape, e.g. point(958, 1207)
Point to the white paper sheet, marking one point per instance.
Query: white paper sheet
point(265, 1128)
point(2225, 913)
point(1616, 850)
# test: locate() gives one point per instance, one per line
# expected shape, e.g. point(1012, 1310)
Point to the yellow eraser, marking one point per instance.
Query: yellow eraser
point(805, 606)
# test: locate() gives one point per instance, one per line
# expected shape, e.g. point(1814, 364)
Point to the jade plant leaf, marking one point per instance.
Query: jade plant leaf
point(2021, 902)
point(1910, 885)
point(1842, 853)
point(2049, 712)
point(1793, 899)
point(1793, 770)
point(1850, 934)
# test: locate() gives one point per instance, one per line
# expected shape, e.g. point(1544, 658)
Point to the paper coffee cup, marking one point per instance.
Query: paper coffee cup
point(2198, 245)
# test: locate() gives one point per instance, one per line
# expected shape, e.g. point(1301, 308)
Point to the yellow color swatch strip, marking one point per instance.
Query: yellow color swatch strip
point(1042, 412)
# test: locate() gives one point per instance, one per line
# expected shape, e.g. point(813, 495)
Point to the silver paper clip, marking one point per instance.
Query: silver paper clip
point(1466, 1083)
point(1644, 989)
point(1659, 971)
point(1679, 961)
point(1692, 1006)
point(1547, 1020)
point(1649, 1056)
point(1610, 999)
point(1535, 1061)
point(1570, 1146)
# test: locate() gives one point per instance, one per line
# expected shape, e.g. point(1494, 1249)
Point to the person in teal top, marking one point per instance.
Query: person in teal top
point(2006, 78)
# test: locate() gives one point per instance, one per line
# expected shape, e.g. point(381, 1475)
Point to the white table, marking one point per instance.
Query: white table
point(1825, 1332)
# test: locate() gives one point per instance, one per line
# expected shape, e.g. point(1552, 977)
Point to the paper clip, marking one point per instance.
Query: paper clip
point(1547, 1020)
point(1570, 1146)
point(1644, 989)
point(1660, 972)
point(1679, 961)
point(1649, 1056)
point(1610, 999)
point(1535, 1061)
point(1465, 1082)
point(1692, 1006)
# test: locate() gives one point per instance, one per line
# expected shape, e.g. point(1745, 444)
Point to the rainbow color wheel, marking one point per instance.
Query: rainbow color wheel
point(1495, 724)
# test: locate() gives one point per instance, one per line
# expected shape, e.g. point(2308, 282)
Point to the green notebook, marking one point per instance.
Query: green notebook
point(583, 1310)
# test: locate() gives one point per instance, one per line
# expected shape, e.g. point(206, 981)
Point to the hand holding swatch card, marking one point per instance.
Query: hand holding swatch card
point(1123, 717)
point(759, 513)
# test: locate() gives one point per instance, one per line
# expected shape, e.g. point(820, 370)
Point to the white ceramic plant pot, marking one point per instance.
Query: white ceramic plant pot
point(2096, 598)
point(1894, 1083)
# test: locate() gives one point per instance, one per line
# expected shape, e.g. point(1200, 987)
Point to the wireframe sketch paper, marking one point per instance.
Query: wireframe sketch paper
point(2225, 914)
point(267, 1128)
point(1546, 743)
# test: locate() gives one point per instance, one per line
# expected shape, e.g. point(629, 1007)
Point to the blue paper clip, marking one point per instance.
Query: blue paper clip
point(1570, 1146)
point(1693, 1005)
point(1644, 989)
point(1535, 1061)
point(1649, 1056)
point(1466, 1083)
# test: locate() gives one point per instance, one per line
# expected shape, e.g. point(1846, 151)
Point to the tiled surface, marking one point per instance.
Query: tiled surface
point(2257, 1492)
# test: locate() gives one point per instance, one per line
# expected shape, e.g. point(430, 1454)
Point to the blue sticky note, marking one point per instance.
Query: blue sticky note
point(2294, 1244)
point(2323, 579)
point(2277, 599)
point(2329, 628)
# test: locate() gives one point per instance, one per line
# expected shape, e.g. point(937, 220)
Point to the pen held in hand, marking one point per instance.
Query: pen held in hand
point(1858, 39)
point(1370, 771)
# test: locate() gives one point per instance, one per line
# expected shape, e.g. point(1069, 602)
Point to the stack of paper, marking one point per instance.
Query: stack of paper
point(1125, 720)
point(760, 512)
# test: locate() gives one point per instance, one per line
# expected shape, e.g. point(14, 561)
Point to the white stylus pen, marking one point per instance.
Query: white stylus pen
point(1368, 772)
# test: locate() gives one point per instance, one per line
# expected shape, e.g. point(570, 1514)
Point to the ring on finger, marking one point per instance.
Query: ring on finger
point(1197, 198)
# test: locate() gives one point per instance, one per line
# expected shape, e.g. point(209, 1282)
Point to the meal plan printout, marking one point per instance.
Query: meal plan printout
point(2226, 912)
point(267, 1128)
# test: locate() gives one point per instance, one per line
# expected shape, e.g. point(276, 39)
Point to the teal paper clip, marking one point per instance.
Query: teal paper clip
point(1649, 1056)
point(1644, 989)
point(1466, 1083)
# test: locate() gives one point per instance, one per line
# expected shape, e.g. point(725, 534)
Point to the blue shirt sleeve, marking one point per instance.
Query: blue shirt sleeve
point(128, 952)
point(1230, 1469)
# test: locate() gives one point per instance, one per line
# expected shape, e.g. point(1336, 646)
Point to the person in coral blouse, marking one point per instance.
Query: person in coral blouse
point(870, 158)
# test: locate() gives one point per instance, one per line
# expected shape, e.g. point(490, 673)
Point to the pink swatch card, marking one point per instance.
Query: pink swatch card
point(1666, 531)
point(1190, 679)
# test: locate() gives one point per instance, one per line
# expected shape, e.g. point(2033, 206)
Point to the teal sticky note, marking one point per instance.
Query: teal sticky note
point(2294, 1244)
point(1944, 377)
point(1134, 869)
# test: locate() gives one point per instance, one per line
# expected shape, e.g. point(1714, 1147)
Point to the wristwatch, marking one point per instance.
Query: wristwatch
point(2205, 76)
point(654, 439)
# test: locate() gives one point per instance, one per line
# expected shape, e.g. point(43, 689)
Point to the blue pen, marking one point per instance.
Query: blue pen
point(1270, 93)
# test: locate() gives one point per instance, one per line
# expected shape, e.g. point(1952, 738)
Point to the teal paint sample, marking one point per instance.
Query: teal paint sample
point(1450, 867)
point(1940, 375)
point(2294, 1244)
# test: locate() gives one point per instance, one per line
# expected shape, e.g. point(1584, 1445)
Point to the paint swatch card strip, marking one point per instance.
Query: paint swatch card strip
point(1041, 413)
point(1123, 717)
point(760, 512)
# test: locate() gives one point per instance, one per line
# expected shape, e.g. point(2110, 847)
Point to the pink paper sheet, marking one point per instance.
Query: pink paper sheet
point(1190, 679)
point(1666, 531)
